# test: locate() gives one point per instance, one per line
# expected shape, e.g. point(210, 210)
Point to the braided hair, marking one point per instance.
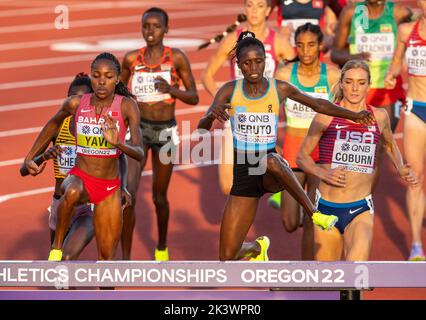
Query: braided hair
point(231, 28)
point(120, 88)
point(81, 79)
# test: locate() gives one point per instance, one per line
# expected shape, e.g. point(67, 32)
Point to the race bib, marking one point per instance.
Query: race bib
point(143, 86)
point(380, 45)
point(254, 128)
point(416, 60)
point(91, 141)
point(66, 159)
point(354, 156)
point(295, 109)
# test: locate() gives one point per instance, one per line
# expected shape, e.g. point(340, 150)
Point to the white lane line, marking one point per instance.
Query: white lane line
point(68, 79)
point(120, 20)
point(174, 32)
point(11, 162)
point(32, 105)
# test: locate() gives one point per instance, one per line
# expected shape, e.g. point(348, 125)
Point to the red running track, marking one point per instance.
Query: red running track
point(34, 79)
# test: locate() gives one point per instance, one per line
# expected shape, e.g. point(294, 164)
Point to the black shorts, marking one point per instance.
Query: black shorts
point(156, 134)
point(246, 183)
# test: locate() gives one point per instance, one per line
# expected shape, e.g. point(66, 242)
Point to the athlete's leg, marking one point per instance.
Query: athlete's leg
point(358, 236)
point(415, 154)
point(308, 226)
point(226, 165)
point(73, 194)
point(161, 180)
point(78, 237)
point(237, 219)
point(134, 169)
point(279, 176)
point(290, 211)
point(107, 220)
point(328, 245)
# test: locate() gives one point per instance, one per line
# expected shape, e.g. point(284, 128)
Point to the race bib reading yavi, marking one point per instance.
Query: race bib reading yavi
point(143, 86)
point(355, 151)
point(91, 141)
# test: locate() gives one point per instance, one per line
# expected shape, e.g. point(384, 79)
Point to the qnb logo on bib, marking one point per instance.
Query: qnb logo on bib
point(254, 128)
point(91, 141)
point(354, 150)
point(143, 86)
point(66, 160)
point(416, 60)
point(379, 45)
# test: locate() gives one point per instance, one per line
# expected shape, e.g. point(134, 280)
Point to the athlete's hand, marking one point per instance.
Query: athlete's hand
point(408, 174)
point(218, 112)
point(126, 198)
point(161, 85)
point(33, 168)
point(52, 153)
point(109, 130)
point(365, 117)
point(390, 81)
point(335, 177)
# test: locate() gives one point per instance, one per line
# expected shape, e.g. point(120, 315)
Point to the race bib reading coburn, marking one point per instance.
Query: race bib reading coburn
point(143, 86)
point(355, 151)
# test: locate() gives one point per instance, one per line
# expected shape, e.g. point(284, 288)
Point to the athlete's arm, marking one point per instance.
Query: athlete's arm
point(126, 198)
point(50, 153)
point(398, 55)
point(333, 76)
point(323, 106)
point(391, 148)
point(340, 51)
point(307, 164)
point(217, 110)
point(183, 69)
point(284, 72)
point(126, 65)
point(49, 131)
point(283, 48)
point(132, 117)
point(216, 61)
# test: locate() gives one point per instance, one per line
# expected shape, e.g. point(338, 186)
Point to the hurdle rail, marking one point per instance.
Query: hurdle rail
point(348, 278)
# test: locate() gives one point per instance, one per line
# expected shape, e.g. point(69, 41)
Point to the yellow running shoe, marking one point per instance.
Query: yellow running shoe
point(325, 221)
point(161, 255)
point(264, 243)
point(55, 255)
point(274, 201)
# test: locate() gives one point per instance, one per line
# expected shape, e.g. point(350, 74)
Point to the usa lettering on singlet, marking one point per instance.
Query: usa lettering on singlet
point(350, 145)
point(354, 150)
point(143, 84)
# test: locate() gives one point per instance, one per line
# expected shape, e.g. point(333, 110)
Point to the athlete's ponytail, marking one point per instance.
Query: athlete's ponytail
point(216, 39)
point(337, 91)
point(120, 88)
